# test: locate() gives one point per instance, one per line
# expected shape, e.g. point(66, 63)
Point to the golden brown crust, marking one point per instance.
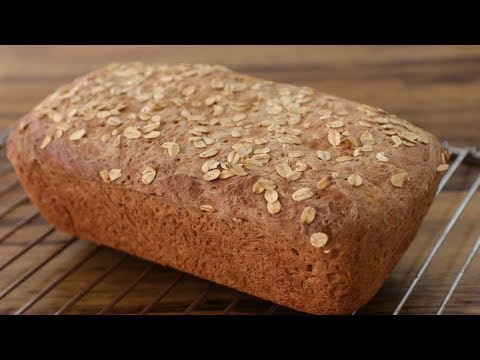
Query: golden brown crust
point(158, 198)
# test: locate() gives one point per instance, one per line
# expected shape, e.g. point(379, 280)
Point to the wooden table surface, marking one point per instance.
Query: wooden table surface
point(435, 87)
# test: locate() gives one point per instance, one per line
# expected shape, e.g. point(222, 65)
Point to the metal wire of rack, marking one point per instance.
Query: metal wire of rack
point(461, 155)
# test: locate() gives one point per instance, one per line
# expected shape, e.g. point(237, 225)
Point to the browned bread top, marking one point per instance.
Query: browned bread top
point(322, 170)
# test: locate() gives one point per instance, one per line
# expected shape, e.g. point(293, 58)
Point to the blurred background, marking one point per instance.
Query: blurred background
point(43, 271)
point(436, 87)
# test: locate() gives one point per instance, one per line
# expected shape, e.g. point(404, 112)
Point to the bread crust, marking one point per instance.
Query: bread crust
point(240, 244)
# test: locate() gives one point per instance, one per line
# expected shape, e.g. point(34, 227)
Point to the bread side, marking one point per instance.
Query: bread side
point(164, 207)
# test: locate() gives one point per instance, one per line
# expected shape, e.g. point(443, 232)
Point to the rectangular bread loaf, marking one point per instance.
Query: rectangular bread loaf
point(279, 191)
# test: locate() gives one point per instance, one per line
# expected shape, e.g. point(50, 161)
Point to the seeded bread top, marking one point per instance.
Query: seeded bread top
point(248, 150)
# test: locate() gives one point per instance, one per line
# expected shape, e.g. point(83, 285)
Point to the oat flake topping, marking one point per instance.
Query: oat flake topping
point(240, 127)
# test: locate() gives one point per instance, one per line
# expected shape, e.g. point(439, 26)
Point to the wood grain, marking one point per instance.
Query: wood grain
point(436, 87)
point(424, 300)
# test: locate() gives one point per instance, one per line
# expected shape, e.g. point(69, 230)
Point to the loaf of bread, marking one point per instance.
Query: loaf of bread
point(279, 191)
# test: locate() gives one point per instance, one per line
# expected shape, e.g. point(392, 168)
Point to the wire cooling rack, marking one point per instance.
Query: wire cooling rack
point(95, 280)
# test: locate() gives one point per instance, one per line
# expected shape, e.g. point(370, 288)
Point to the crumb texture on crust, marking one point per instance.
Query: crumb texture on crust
point(284, 192)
